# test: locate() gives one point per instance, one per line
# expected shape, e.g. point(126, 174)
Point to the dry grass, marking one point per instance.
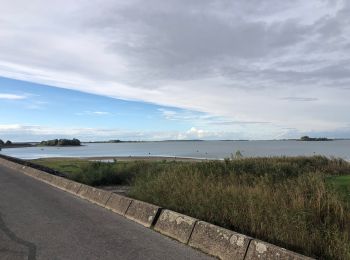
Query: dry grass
point(285, 201)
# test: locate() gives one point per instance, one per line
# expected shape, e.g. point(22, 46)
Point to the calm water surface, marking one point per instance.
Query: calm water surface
point(193, 149)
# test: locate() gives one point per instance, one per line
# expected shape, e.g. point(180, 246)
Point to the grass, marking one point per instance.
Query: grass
point(300, 203)
point(65, 165)
point(341, 184)
point(101, 173)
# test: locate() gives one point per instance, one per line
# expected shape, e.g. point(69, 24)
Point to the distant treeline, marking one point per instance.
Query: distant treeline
point(61, 142)
point(307, 138)
point(9, 144)
point(2, 143)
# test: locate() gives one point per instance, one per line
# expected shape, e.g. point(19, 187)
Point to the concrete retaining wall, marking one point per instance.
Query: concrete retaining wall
point(211, 239)
point(30, 171)
point(118, 203)
point(11, 165)
point(219, 242)
point(65, 184)
point(175, 225)
point(259, 250)
point(46, 177)
point(94, 195)
point(31, 165)
point(142, 212)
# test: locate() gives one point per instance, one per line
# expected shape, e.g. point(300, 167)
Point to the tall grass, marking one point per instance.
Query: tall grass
point(116, 173)
point(285, 201)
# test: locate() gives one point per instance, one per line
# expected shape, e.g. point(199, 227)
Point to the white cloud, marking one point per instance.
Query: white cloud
point(11, 96)
point(93, 113)
point(196, 133)
point(101, 113)
point(241, 61)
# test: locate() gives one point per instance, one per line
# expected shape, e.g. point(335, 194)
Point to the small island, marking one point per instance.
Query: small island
point(307, 138)
point(61, 142)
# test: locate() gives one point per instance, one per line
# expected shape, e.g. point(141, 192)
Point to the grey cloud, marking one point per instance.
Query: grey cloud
point(298, 99)
point(229, 123)
point(172, 41)
point(180, 40)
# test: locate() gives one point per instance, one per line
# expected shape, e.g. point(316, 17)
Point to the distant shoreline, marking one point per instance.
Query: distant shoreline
point(37, 144)
point(132, 158)
point(17, 145)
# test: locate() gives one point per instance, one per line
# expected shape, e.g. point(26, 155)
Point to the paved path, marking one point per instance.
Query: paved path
point(38, 221)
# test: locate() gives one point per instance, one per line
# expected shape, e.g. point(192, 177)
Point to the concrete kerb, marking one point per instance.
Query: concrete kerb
point(118, 203)
point(53, 180)
point(24, 169)
point(218, 241)
point(94, 195)
point(12, 165)
point(45, 177)
point(73, 187)
point(65, 184)
point(175, 225)
point(261, 250)
point(143, 213)
point(30, 171)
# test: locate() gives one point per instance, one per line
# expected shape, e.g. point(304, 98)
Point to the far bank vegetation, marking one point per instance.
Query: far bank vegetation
point(307, 138)
point(61, 142)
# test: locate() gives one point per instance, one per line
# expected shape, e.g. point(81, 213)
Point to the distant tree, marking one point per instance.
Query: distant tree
point(60, 142)
point(52, 142)
point(1, 142)
point(114, 141)
point(76, 142)
point(8, 142)
point(305, 138)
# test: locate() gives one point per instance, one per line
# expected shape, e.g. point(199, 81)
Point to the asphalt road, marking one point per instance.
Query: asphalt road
point(38, 221)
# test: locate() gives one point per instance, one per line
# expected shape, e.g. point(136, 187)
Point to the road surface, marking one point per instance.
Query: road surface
point(38, 221)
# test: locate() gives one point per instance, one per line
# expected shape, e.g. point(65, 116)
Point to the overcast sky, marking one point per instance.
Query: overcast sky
point(225, 69)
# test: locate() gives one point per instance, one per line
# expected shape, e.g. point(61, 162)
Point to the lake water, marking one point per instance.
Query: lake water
point(191, 149)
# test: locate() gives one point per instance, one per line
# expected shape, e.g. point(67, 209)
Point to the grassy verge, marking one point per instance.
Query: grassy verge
point(101, 173)
point(299, 203)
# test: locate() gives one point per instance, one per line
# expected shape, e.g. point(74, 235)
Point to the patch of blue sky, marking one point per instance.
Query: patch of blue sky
point(28, 103)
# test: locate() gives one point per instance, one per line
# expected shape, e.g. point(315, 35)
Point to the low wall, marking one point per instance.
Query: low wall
point(32, 165)
point(217, 241)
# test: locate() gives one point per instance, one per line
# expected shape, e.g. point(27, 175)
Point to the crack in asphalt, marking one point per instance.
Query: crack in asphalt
point(31, 247)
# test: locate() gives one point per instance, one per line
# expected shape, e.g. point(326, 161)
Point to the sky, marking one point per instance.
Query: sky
point(173, 69)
